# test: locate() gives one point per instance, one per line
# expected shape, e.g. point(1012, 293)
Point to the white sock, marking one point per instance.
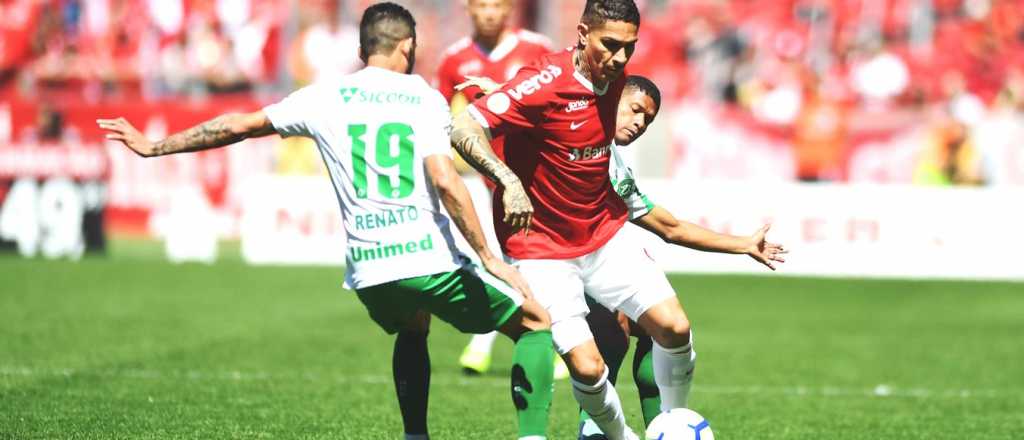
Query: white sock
point(589, 428)
point(417, 437)
point(673, 372)
point(602, 403)
point(483, 343)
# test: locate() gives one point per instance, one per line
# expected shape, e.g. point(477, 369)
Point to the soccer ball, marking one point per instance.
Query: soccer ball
point(679, 424)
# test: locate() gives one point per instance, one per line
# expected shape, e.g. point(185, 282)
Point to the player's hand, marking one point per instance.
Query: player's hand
point(764, 252)
point(518, 209)
point(508, 274)
point(484, 83)
point(123, 131)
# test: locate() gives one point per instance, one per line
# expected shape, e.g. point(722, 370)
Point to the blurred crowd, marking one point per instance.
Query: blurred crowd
point(825, 71)
point(106, 49)
point(829, 70)
point(99, 48)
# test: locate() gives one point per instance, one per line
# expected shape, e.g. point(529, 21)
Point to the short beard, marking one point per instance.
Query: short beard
point(581, 64)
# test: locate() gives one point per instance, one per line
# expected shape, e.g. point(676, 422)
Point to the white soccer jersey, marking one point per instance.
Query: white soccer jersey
point(624, 182)
point(373, 129)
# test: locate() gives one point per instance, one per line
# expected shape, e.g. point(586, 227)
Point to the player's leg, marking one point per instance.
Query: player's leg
point(611, 334)
point(396, 307)
point(612, 341)
point(673, 356)
point(647, 298)
point(475, 301)
point(592, 389)
point(558, 288)
point(532, 369)
point(411, 368)
point(643, 374)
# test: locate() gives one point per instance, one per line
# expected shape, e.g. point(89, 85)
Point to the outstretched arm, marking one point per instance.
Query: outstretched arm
point(663, 224)
point(455, 196)
point(472, 142)
point(218, 132)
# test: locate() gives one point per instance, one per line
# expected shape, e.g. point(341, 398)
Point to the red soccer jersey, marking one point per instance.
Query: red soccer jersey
point(558, 131)
point(464, 57)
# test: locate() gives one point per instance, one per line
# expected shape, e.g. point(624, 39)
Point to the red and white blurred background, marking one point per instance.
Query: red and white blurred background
point(882, 137)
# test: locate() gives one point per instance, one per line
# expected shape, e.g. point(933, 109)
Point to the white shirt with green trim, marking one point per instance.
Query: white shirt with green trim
point(374, 128)
point(624, 181)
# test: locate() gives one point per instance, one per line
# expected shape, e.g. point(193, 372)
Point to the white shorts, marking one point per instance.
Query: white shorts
point(620, 275)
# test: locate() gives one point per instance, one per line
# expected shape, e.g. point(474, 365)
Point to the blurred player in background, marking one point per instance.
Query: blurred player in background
point(638, 107)
point(495, 50)
point(383, 135)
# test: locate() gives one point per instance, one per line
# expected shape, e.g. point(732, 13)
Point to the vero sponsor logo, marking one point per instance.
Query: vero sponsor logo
point(532, 84)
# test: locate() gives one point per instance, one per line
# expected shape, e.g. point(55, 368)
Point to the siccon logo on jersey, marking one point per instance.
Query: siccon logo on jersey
point(377, 96)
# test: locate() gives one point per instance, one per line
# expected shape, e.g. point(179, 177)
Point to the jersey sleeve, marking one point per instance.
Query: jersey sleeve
point(624, 182)
point(293, 116)
point(433, 136)
point(517, 105)
point(638, 203)
point(446, 79)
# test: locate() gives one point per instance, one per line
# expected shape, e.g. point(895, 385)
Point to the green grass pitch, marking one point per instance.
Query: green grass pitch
point(140, 349)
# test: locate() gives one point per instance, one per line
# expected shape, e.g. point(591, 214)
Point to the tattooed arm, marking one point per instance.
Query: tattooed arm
point(455, 196)
point(471, 141)
point(218, 132)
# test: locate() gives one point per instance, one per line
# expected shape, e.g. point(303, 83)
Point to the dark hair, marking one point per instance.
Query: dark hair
point(645, 85)
point(597, 12)
point(382, 27)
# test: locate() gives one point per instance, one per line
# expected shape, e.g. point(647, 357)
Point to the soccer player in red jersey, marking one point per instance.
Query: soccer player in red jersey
point(495, 50)
point(638, 107)
point(562, 216)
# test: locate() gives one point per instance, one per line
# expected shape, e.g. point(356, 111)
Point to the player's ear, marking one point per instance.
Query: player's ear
point(361, 54)
point(406, 46)
point(582, 31)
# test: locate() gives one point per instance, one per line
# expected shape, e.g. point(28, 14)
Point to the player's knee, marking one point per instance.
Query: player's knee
point(420, 323)
point(674, 334)
point(534, 317)
point(587, 369)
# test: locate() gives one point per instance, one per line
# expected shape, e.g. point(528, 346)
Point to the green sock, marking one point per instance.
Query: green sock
point(643, 374)
point(533, 381)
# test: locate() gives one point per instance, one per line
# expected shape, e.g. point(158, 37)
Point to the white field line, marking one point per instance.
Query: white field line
point(494, 382)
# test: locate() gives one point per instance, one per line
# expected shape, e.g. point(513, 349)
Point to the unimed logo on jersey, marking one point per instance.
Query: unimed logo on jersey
point(378, 96)
point(499, 102)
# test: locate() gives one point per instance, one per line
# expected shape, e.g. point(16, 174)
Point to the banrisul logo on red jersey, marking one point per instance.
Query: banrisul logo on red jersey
point(500, 102)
